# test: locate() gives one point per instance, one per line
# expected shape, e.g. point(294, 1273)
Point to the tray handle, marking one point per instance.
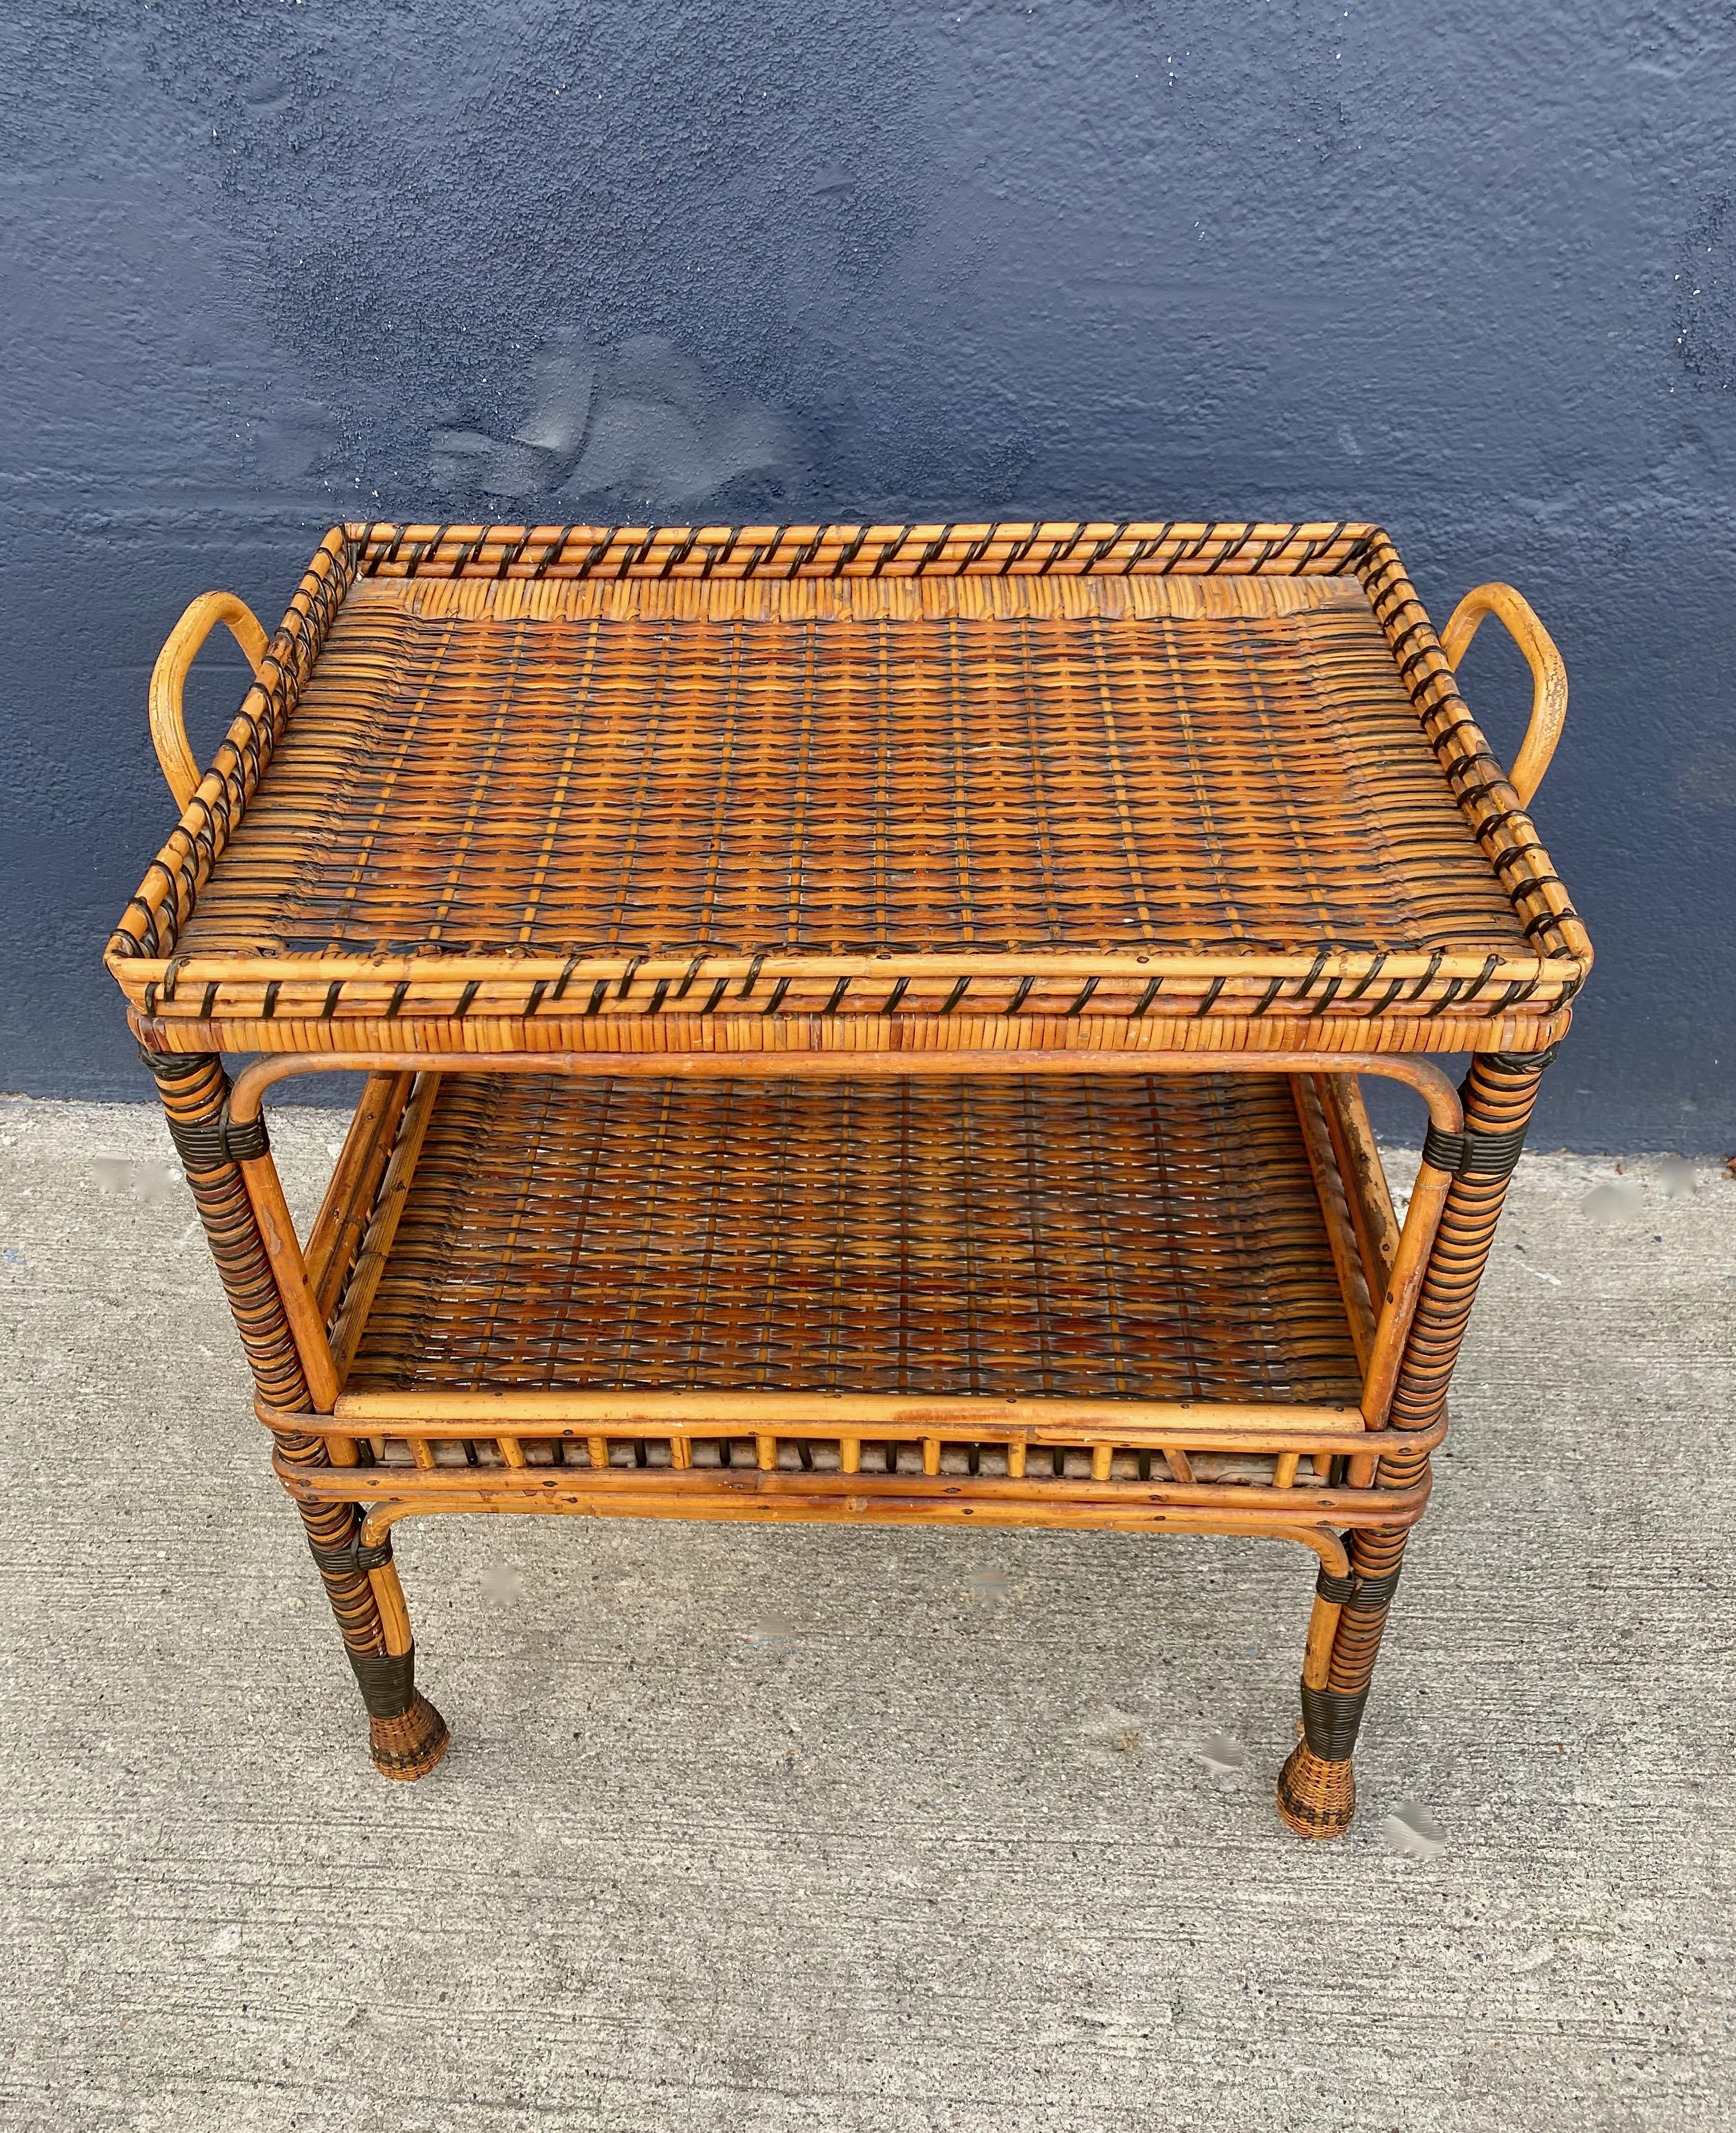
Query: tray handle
point(1548, 673)
point(169, 676)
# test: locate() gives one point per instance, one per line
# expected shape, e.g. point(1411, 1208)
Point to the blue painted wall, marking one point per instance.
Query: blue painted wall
point(1470, 269)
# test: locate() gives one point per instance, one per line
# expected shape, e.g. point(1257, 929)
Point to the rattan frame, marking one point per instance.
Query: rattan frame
point(1346, 1479)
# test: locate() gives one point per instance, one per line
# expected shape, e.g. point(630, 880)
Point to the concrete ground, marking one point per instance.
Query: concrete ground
point(794, 1830)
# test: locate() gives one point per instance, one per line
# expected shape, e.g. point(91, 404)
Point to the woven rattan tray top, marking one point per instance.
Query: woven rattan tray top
point(1137, 777)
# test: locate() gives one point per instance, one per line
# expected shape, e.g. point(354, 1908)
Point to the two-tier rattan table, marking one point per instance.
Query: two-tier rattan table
point(861, 1023)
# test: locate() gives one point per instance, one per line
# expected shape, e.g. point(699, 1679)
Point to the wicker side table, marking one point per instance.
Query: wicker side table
point(861, 1023)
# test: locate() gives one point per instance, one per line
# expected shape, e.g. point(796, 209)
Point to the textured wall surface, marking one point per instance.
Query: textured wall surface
point(1470, 270)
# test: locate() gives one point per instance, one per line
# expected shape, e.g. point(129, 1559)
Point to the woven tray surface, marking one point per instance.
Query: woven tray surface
point(1045, 765)
point(1153, 1238)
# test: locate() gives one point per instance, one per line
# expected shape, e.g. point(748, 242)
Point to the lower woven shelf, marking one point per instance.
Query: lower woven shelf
point(1050, 1238)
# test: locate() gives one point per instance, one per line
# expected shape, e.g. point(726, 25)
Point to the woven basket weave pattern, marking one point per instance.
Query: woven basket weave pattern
point(661, 787)
point(1155, 1239)
point(575, 762)
point(861, 1023)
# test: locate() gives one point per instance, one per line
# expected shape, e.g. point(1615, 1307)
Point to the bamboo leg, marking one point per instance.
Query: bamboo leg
point(407, 1735)
point(1317, 1786)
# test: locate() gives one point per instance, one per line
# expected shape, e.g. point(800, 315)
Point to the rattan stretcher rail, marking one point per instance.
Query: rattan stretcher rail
point(860, 1024)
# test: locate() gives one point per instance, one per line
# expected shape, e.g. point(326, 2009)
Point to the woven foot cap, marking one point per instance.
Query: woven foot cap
point(410, 1745)
point(1316, 1798)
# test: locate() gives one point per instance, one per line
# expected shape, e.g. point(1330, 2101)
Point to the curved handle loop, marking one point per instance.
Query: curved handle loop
point(1548, 674)
point(168, 678)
